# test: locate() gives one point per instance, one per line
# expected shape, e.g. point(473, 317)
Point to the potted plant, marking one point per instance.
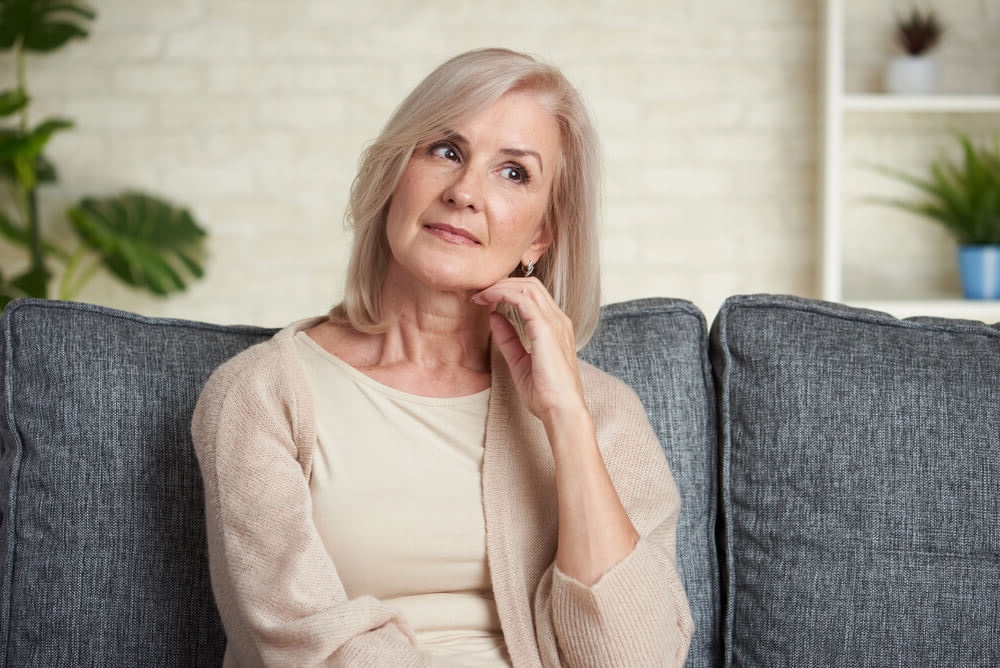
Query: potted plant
point(144, 241)
point(914, 72)
point(963, 195)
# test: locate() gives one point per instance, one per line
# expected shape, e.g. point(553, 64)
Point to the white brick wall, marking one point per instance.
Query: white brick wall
point(253, 113)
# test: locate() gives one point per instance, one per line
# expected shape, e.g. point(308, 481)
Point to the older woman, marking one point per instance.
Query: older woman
point(428, 475)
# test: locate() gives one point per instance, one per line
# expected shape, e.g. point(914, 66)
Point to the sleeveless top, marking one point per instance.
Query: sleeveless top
point(397, 500)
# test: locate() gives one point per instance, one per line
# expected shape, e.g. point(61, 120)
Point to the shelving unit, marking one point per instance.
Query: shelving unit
point(839, 104)
point(934, 104)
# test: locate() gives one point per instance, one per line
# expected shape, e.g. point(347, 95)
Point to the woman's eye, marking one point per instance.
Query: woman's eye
point(516, 174)
point(446, 151)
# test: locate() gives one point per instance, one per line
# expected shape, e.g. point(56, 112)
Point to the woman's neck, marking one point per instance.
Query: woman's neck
point(433, 344)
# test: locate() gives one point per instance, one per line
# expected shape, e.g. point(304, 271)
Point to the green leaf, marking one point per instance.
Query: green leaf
point(13, 143)
point(15, 17)
point(45, 171)
point(42, 25)
point(34, 282)
point(144, 241)
point(20, 153)
point(47, 37)
point(12, 231)
point(12, 101)
point(962, 194)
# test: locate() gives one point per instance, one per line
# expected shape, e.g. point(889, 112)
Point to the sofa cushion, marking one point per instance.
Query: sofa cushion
point(860, 461)
point(101, 517)
point(660, 348)
point(102, 542)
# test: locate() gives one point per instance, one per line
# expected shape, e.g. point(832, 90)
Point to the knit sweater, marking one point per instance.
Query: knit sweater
point(278, 592)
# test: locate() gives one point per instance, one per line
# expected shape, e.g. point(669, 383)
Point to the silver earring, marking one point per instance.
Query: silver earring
point(528, 269)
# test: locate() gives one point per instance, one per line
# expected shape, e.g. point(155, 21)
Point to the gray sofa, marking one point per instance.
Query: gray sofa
point(839, 468)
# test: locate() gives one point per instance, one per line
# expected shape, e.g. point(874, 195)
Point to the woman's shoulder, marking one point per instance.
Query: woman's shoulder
point(267, 364)
point(262, 384)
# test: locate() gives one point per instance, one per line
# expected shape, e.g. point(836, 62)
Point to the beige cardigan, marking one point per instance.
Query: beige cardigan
point(278, 592)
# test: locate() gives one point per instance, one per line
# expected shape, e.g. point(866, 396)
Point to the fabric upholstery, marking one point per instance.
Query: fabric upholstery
point(102, 541)
point(102, 531)
point(660, 348)
point(860, 459)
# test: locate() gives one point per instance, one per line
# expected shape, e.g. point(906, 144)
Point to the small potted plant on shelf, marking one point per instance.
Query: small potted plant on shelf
point(914, 72)
point(963, 195)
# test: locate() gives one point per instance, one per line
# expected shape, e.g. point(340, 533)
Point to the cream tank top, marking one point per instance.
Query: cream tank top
point(397, 499)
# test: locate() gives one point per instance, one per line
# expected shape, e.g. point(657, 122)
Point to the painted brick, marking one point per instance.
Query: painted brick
point(163, 15)
point(208, 43)
point(301, 112)
point(107, 111)
point(158, 79)
point(205, 112)
point(117, 44)
point(254, 112)
point(167, 149)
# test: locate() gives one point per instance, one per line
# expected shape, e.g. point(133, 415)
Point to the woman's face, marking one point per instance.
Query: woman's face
point(469, 206)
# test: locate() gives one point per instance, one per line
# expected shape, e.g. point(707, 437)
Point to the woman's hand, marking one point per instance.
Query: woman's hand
point(595, 532)
point(547, 377)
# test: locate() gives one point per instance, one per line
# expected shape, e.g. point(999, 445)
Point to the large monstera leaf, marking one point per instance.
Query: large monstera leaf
point(146, 242)
point(42, 25)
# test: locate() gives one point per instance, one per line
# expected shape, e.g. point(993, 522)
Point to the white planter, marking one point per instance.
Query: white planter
point(911, 75)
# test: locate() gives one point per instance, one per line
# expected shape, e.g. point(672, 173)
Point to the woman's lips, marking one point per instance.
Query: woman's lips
point(455, 235)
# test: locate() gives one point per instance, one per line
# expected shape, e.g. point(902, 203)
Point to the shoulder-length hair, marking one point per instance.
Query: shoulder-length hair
point(458, 89)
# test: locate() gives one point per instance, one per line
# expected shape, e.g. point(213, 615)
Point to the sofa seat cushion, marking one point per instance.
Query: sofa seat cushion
point(660, 348)
point(101, 513)
point(860, 461)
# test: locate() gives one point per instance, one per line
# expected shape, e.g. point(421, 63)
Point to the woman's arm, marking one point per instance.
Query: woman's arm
point(614, 596)
point(278, 592)
point(637, 613)
point(595, 532)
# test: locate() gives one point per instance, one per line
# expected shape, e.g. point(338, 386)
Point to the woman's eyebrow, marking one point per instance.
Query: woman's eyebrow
point(455, 137)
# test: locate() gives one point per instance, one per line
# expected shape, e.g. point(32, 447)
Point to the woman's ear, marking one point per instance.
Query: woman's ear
point(540, 244)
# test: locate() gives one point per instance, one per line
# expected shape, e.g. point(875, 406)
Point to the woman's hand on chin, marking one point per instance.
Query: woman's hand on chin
point(547, 378)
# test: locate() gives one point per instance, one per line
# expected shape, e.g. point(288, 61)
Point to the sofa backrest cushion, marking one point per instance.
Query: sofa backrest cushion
point(860, 468)
point(660, 348)
point(102, 539)
point(102, 542)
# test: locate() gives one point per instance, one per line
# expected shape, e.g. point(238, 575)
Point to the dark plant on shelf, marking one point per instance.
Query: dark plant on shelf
point(962, 195)
point(919, 32)
point(144, 241)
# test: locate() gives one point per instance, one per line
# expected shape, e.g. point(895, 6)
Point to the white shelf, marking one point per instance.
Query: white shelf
point(938, 104)
point(839, 104)
point(965, 309)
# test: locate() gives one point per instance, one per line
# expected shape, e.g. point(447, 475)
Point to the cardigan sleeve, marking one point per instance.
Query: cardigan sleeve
point(278, 592)
point(637, 613)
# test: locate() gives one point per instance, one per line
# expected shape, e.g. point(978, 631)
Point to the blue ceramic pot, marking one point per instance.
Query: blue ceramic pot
point(980, 269)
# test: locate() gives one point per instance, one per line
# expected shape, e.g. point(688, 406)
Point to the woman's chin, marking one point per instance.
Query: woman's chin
point(459, 279)
point(464, 282)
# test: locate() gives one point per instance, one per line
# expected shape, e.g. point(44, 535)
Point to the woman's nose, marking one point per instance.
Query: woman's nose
point(465, 190)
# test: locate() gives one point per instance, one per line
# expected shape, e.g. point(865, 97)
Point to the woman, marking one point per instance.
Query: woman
point(428, 475)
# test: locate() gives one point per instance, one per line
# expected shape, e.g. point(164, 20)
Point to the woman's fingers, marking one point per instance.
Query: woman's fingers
point(544, 322)
point(548, 374)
